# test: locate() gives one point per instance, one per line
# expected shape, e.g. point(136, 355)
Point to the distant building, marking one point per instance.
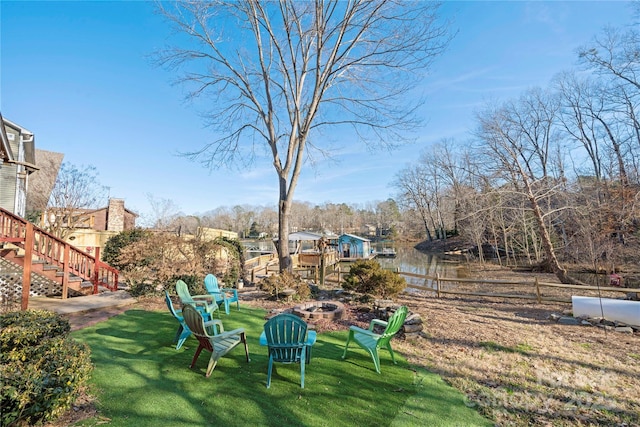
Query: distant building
point(213, 233)
point(93, 227)
point(352, 247)
point(368, 230)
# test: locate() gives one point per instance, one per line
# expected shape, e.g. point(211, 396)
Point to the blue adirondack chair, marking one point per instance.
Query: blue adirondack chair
point(212, 336)
point(372, 341)
point(224, 296)
point(286, 337)
point(183, 330)
point(205, 304)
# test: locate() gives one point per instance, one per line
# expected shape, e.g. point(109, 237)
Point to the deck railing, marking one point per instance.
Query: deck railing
point(55, 251)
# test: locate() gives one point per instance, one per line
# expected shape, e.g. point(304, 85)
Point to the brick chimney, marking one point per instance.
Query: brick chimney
point(115, 215)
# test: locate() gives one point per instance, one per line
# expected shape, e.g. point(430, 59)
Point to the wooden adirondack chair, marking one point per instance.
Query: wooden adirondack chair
point(372, 341)
point(205, 304)
point(212, 337)
point(183, 330)
point(287, 341)
point(222, 295)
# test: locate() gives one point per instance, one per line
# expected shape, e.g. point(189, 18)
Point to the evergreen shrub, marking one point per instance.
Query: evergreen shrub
point(41, 366)
point(369, 278)
point(276, 283)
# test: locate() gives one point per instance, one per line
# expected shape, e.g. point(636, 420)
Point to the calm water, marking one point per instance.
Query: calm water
point(411, 260)
point(407, 259)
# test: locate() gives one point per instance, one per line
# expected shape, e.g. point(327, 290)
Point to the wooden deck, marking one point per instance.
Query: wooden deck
point(317, 259)
point(309, 264)
point(357, 258)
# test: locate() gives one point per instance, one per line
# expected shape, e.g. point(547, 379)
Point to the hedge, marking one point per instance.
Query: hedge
point(41, 366)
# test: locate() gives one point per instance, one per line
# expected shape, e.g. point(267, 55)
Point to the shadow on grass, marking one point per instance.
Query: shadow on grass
point(141, 380)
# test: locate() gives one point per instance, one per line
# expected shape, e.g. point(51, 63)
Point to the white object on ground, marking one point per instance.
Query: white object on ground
point(624, 311)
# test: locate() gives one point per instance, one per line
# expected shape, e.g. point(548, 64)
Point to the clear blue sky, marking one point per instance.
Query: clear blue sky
point(77, 74)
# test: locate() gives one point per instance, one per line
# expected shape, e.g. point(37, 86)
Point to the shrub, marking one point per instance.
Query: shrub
point(41, 366)
point(138, 289)
point(194, 284)
point(159, 259)
point(369, 278)
point(276, 283)
point(115, 244)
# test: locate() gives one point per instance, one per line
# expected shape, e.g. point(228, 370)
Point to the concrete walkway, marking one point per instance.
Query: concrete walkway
point(82, 304)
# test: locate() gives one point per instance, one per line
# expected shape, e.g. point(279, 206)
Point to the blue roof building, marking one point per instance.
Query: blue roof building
point(352, 247)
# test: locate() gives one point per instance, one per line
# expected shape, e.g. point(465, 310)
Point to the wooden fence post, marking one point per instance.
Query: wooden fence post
point(438, 284)
point(26, 270)
point(96, 270)
point(538, 291)
point(65, 271)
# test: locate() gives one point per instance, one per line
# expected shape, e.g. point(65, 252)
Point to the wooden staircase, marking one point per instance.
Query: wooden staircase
point(37, 251)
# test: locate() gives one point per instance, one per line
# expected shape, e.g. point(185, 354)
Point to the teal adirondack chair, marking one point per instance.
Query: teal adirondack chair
point(183, 330)
point(212, 337)
point(205, 304)
point(222, 295)
point(372, 341)
point(286, 337)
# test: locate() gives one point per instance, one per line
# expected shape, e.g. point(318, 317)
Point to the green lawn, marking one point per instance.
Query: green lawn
point(141, 380)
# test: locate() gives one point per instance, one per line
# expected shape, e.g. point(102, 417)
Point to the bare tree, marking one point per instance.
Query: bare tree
point(453, 163)
point(267, 219)
point(164, 214)
point(277, 73)
point(243, 217)
point(615, 53)
point(75, 192)
point(518, 140)
point(577, 117)
point(387, 215)
point(412, 184)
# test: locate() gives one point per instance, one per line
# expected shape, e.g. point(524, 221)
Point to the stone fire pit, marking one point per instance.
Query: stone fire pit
point(332, 310)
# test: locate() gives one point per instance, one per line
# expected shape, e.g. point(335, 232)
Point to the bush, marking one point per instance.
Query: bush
point(115, 244)
point(276, 283)
point(41, 366)
point(157, 260)
point(138, 289)
point(369, 278)
point(194, 284)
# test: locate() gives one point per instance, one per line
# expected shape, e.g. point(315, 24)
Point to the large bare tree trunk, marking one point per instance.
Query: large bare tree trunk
point(284, 257)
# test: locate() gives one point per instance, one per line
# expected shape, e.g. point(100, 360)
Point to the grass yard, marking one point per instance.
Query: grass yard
point(141, 380)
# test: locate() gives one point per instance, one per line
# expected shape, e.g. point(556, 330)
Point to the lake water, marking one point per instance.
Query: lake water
point(407, 259)
point(411, 260)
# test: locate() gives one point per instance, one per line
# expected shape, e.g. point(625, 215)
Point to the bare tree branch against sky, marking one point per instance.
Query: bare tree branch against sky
point(275, 74)
point(78, 75)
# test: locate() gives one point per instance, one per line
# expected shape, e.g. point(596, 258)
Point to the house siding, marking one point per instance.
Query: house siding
point(7, 186)
point(14, 176)
point(8, 173)
point(354, 247)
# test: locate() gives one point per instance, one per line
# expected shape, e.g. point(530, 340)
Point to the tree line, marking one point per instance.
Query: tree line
point(551, 176)
point(382, 219)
